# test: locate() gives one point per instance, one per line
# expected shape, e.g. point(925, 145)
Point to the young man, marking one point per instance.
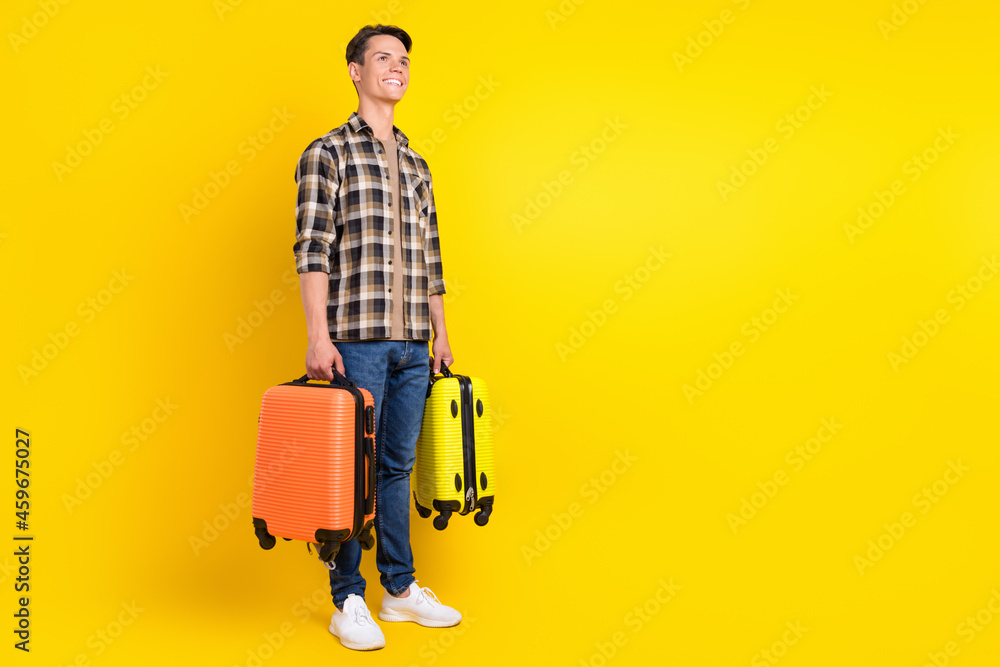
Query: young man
point(369, 264)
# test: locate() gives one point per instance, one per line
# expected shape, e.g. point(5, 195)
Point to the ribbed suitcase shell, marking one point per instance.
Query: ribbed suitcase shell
point(304, 472)
point(440, 461)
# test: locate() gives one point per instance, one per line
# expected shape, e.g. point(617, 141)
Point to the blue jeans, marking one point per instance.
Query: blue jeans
point(396, 372)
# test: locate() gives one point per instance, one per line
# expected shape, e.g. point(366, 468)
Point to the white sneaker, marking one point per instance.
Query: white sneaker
point(355, 627)
point(420, 606)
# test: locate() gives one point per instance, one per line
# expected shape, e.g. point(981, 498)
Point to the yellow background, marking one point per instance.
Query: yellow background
point(516, 293)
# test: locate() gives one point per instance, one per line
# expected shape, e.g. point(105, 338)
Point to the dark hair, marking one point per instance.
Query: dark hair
point(359, 43)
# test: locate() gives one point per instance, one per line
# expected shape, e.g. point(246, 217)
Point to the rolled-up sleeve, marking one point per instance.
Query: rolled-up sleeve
point(315, 230)
point(432, 246)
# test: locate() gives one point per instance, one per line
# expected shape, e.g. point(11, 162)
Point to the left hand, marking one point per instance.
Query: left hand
point(441, 351)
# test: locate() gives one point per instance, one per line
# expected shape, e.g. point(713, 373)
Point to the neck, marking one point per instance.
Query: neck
point(379, 115)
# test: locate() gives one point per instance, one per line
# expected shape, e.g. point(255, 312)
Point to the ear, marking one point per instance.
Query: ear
point(352, 70)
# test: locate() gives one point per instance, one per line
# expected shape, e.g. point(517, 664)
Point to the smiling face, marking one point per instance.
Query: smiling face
point(386, 72)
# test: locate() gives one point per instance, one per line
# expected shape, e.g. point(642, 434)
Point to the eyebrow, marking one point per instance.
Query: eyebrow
point(389, 54)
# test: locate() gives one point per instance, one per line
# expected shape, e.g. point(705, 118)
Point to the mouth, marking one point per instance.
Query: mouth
point(393, 82)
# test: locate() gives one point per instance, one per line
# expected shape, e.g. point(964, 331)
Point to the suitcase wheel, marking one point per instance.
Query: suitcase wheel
point(328, 551)
point(366, 540)
point(424, 512)
point(483, 515)
point(441, 520)
point(265, 538)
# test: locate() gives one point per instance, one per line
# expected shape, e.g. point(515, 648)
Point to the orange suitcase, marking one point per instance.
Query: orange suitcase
point(314, 473)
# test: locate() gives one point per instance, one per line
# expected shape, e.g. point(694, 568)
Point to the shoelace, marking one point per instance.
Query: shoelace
point(429, 597)
point(361, 615)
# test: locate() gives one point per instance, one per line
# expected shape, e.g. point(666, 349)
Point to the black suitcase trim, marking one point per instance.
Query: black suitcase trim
point(468, 443)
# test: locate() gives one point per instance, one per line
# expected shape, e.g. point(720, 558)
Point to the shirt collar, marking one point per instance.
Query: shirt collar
point(358, 124)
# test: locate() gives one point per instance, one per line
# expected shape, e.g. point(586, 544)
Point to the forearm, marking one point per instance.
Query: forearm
point(315, 286)
point(436, 303)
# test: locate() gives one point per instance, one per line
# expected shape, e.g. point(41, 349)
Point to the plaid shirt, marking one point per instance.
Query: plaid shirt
point(344, 221)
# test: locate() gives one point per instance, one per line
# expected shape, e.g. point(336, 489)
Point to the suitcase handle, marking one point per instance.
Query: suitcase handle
point(430, 379)
point(370, 453)
point(338, 379)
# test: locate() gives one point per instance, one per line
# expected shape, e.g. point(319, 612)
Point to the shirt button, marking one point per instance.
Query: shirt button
point(390, 261)
point(390, 289)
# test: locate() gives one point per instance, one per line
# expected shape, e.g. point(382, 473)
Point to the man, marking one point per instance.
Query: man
point(369, 264)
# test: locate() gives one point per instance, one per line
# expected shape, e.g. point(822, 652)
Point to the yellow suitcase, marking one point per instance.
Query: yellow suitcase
point(454, 470)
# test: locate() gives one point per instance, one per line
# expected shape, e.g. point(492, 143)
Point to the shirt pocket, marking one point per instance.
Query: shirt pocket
point(422, 203)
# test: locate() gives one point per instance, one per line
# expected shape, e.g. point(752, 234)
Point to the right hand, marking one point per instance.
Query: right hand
point(321, 356)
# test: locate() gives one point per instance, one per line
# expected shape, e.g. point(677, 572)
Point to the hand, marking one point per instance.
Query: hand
point(441, 352)
point(321, 356)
